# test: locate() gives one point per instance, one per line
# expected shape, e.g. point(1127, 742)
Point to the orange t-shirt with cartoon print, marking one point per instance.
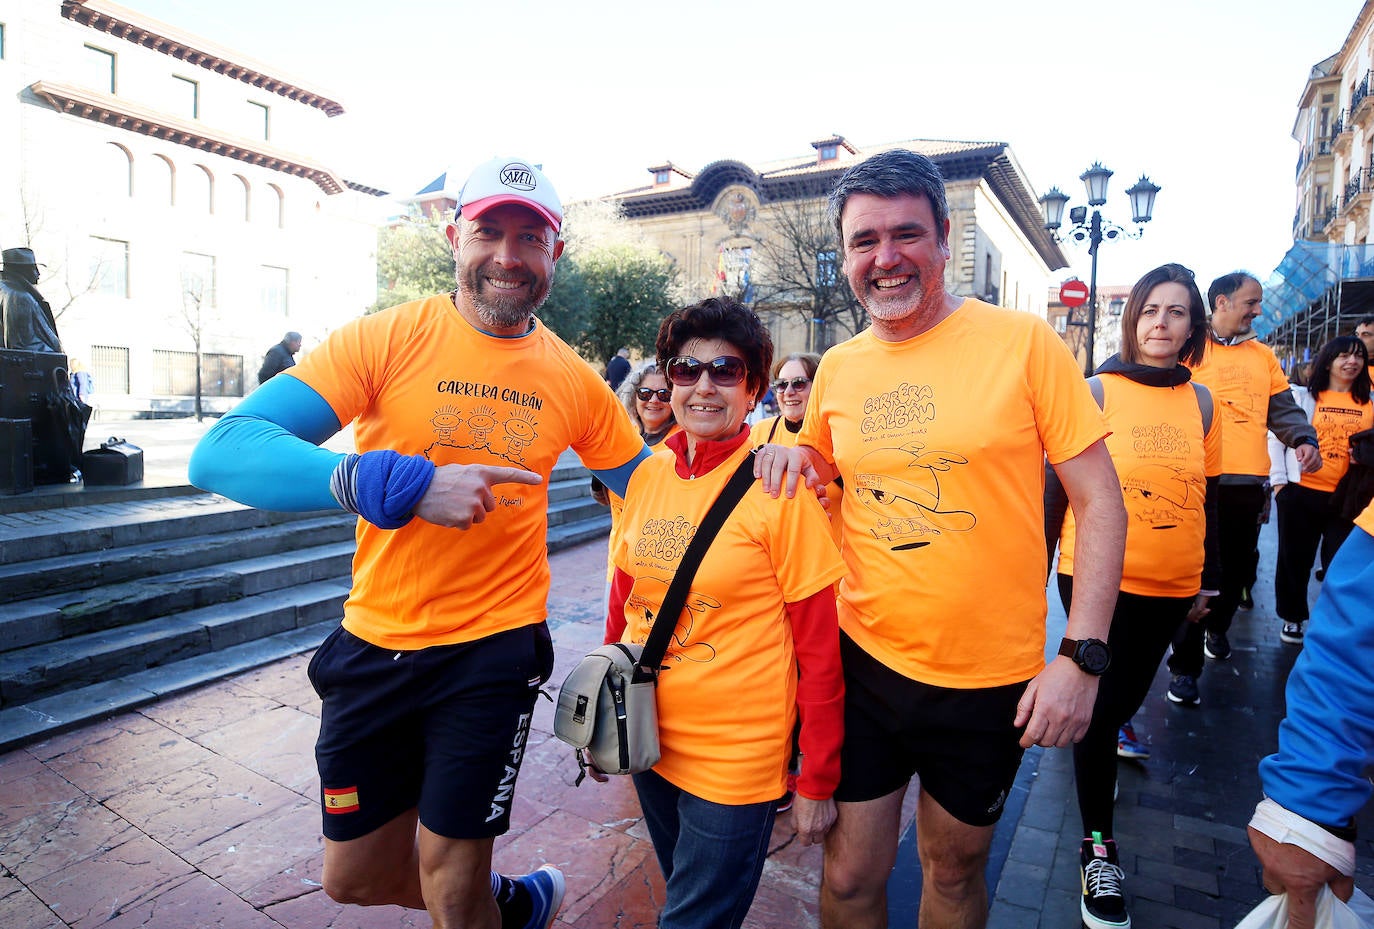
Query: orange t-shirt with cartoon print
point(728, 695)
point(418, 379)
point(1336, 416)
point(617, 505)
point(1162, 460)
point(1242, 378)
point(941, 441)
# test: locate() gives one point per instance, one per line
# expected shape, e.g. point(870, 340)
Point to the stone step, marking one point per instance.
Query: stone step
point(38, 671)
point(58, 616)
point(48, 716)
point(85, 570)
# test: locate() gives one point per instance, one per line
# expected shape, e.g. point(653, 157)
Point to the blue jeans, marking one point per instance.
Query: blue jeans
point(711, 854)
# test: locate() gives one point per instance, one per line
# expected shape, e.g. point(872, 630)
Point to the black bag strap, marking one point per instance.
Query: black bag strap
point(665, 620)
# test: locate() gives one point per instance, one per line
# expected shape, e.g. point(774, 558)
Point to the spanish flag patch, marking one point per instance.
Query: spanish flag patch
point(341, 801)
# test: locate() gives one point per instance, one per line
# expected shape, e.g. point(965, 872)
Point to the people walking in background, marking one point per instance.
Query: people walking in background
point(1166, 446)
point(1250, 394)
point(1337, 400)
point(1303, 830)
point(279, 357)
point(461, 404)
point(940, 443)
point(618, 367)
point(756, 648)
point(26, 320)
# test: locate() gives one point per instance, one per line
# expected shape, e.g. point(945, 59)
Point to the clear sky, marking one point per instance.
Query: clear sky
point(1199, 94)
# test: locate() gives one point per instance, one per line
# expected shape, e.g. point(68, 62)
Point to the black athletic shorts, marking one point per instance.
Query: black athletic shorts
point(441, 728)
point(961, 743)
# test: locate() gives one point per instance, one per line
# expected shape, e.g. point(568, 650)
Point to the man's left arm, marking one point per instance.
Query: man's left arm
point(1058, 703)
point(618, 479)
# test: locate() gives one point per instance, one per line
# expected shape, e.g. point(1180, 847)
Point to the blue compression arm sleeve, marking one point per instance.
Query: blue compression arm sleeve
point(264, 452)
point(617, 479)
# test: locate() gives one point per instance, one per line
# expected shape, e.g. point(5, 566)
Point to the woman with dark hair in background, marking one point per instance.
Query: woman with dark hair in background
point(1166, 445)
point(1336, 400)
point(757, 645)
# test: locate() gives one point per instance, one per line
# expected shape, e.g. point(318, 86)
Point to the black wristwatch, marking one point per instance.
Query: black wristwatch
point(1092, 655)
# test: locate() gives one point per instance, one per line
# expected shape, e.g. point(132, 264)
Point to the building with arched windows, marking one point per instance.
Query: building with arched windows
point(179, 194)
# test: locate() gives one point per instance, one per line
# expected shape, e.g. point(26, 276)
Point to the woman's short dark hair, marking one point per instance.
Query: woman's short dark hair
point(720, 318)
point(809, 361)
point(1171, 273)
point(1321, 367)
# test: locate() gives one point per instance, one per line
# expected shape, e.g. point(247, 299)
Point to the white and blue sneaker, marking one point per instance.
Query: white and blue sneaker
point(546, 889)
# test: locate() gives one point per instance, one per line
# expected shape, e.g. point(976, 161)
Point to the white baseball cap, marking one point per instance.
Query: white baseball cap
point(509, 180)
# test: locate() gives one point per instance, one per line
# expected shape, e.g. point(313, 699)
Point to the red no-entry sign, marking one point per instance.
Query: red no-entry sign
point(1073, 293)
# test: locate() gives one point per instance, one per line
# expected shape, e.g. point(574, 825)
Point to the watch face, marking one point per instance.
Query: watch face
point(1095, 656)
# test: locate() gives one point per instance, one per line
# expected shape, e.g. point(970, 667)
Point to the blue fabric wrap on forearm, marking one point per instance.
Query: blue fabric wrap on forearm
point(383, 487)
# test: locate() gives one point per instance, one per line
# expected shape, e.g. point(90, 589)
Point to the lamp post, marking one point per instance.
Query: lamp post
point(1095, 229)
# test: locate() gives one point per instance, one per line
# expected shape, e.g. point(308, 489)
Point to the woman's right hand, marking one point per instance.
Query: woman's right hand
point(812, 819)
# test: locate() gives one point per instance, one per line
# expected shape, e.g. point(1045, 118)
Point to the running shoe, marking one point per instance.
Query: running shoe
point(546, 889)
point(1291, 633)
point(785, 803)
point(1216, 646)
point(1128, 746)
point(1103, 905)
point(1183, 689)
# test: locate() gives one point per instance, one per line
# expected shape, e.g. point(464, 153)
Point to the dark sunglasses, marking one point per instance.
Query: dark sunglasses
point(648, 393)
point(796, 383)
point(725, 371)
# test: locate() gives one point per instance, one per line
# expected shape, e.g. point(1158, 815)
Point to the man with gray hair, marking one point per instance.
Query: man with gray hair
point(279, 357)
point(939, 419)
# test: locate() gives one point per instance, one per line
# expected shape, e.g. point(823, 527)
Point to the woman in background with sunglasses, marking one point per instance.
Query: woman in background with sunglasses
point(760, 611)
point(645, 394)
point(792, 377)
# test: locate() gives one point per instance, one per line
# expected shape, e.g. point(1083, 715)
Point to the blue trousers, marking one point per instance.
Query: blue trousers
point(712, 854)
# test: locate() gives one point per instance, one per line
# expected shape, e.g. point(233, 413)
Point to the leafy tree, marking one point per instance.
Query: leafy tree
point(628, 290)
point(797, 272)
point(413, 261)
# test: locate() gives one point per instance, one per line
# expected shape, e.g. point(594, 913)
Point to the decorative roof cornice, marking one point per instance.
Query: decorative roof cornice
point(132, 26)
point(804, 179)
point(120, 113)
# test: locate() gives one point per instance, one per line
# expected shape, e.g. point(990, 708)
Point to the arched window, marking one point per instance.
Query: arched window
point(117, 163)
point(276, 206)
point(200, 189)
point(162, 184)
point(243, 199)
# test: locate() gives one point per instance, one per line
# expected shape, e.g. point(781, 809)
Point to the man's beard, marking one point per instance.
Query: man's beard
point(891, 309)
point(498, 310)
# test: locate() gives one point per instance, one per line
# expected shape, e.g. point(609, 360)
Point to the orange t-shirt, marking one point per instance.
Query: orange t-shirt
point(727, 697)
point(1366, 519)
point(941, 442)
point(617, 505)
point(1242, 378)
point(775, 430)
point(1336, 417)
point(420, 380)
point(1163, 461)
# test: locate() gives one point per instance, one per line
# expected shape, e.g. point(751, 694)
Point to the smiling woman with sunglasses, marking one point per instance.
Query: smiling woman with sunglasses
point(760, 611)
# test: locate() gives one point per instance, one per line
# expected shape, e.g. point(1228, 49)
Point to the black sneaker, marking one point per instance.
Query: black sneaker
point(1216, 646)
point(1103, 904)
point(1291, 633)
point(1183, 689)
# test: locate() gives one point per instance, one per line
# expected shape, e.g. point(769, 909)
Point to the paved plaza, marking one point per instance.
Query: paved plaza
point(200, 810)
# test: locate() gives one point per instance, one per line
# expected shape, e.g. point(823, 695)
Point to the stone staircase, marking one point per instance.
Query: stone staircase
point(116, 599)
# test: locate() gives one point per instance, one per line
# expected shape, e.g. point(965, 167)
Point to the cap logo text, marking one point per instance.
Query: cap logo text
point(518, 176)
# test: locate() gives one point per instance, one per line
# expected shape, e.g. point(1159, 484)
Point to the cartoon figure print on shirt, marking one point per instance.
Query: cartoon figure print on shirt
point(694, 607)
point(900, 484)
point(1162, 491)
point(482, 429)
point(1251, 404)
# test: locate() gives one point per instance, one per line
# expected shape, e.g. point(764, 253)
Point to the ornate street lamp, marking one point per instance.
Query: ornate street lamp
point(1095, 229)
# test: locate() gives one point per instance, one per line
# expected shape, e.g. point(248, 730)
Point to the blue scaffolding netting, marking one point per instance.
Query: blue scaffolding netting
point(1305, 274)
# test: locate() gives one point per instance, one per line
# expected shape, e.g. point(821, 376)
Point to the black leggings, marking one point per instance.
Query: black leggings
point(1142, 628)
point(1308, 523)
